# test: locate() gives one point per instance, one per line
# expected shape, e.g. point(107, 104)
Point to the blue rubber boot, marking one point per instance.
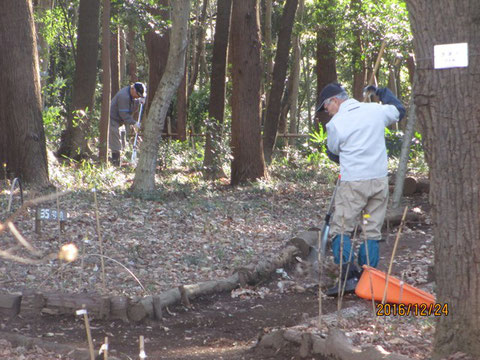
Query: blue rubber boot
point(373, 253)
point(347, 249)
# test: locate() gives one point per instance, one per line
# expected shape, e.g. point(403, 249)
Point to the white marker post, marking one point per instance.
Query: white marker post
point(83, 312)
point(142, 354)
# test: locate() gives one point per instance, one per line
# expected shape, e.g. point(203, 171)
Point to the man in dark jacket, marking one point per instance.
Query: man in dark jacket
point(123, 105)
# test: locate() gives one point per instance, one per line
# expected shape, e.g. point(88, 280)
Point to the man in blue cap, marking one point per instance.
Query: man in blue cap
point(123, 105)
point(356, 140)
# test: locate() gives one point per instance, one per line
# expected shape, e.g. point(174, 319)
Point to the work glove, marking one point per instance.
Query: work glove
point(369, 90)
point(141, 100)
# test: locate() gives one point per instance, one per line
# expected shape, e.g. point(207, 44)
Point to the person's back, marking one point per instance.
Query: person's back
point(356, 133)
point(122, 107)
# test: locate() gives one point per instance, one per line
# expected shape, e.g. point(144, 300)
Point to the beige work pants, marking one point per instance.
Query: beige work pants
point(353, 197)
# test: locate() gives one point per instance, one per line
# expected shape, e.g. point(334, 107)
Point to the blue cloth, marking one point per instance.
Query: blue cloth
point(387, 97)
point(373, 251)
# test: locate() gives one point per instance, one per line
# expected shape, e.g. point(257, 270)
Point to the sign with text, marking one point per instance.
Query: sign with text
point(51, 214)
point(450, 55)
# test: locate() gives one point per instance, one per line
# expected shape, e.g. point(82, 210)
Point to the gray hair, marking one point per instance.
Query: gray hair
point(342, 96)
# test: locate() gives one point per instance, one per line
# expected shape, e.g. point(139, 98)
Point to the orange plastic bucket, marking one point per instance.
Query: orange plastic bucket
point(397, 292)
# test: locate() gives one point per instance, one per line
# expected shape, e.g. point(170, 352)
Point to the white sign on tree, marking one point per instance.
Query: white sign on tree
point(450, 55)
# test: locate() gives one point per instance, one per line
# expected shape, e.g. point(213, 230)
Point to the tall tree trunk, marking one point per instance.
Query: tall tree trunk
point(248, 163)
point(74, 144)
point(132, 55)
point(115, 60)
point(268, 49)
point(295, 74)
point(449, 110)
point(182, 108)
point(106, 76)
point(199, 40)
point(326, 57)
point(157, 51)
point(145, 172)
point(42, 45)
point(216, 105)
point(22, 138)
point(123, 59)
point(278, 81)
point(358, 62)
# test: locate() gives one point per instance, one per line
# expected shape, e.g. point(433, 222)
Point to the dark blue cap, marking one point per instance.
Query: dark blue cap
point(140, 89)
point(328, 91)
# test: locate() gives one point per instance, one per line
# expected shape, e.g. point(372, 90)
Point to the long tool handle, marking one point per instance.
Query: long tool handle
point(134, 151)
point(326, 225)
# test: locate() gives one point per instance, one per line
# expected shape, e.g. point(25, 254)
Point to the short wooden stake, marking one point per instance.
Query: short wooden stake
point(83, 312)
point(100, 240)
point(142, 354)
point(104, 349)
point(320, 275)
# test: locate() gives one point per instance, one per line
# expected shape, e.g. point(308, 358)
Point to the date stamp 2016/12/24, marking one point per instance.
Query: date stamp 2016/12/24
point(412, 309)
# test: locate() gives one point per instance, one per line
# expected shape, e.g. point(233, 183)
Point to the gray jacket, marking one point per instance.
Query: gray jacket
point(122, 107)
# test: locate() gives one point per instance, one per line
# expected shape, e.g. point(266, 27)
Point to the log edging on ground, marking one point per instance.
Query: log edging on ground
point(31, 302)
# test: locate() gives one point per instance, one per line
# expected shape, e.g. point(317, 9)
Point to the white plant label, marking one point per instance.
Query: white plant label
point(450, 55)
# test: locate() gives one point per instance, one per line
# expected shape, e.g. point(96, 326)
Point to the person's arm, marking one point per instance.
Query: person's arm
point(333, 157)
point(387, 98)
point(333, 144)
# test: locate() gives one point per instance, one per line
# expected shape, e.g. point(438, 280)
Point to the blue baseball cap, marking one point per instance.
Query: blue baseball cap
point(327, 92)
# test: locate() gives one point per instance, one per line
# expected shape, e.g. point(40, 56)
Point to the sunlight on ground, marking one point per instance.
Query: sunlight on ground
point(201, 351)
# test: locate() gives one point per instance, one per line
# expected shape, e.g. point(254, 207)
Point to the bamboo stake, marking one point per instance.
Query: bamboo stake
point(364, 222)
point(320, 275)
point(100, 240)
point(352, 248)
point(83, 312)
point(104, 349)
point(339, 283)
point(377, 63)
point(391, 264)
point(393, 254)
point(142, 354)
point(375, 68)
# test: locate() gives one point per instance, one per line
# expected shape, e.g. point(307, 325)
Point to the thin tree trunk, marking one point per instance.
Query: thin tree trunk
point(248, 163)
point(74, 144)
point(182, 104)
point(295, 74)
point(404, 155)
point(22, 138)
point(145, 172)
point(278, 82)
point(200, 46)
point(106, 76)
point(326, 57)
point(115, 60)
point(132, 56)
point(358, 62)
point(42, 45)
point(157, 46)
point(268, 50)
point(448, 108)
point(216, 105)
point(123, 58)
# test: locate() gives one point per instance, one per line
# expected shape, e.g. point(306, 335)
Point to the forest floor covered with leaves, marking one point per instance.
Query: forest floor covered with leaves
point(191, 231)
